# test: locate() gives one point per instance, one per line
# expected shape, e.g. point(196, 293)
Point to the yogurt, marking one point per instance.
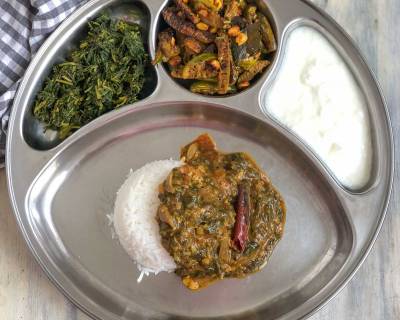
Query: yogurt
point(316, 96)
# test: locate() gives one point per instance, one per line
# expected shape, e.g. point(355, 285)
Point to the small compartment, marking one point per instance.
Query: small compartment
point(263, 8)
point(58, 49)
point(328, 109)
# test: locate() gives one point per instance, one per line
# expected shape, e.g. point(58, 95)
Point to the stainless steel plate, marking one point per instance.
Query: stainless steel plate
point(62, 192)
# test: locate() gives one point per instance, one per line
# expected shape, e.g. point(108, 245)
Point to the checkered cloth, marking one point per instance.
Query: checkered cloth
point(24, 25)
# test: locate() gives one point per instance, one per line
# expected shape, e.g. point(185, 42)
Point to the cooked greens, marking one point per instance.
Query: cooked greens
point(219, 214)
point(105, 72)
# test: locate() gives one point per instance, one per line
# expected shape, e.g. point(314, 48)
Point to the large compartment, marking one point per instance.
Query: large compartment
point(68, 204)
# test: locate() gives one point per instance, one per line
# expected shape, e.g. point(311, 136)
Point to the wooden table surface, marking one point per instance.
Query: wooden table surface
point(374, 293)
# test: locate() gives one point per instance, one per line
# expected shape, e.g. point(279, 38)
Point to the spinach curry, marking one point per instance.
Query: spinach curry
point(219, 215)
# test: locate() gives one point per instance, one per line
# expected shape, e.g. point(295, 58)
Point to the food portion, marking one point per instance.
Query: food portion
point(210, 216)
point(134, 217)
point(105, 72)
point(220, 216)
point(215, 47)
point(325, 107)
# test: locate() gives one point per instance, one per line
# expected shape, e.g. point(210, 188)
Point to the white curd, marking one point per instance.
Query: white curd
point(317, 97)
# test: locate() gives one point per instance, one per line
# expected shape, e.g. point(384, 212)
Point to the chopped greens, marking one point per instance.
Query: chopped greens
point(104, 73)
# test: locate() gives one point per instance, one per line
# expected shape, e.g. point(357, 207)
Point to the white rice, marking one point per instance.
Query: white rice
point(134, 217)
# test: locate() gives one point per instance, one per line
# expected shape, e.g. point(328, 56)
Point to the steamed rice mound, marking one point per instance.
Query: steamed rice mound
point(135, 217)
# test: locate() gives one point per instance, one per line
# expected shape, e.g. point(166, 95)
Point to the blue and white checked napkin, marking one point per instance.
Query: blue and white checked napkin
point(24, 25)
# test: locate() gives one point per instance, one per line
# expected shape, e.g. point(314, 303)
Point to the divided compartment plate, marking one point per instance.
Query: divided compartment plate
point(61, 192)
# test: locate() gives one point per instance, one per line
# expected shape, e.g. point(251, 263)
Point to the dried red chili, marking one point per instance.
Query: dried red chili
point(241, 227)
